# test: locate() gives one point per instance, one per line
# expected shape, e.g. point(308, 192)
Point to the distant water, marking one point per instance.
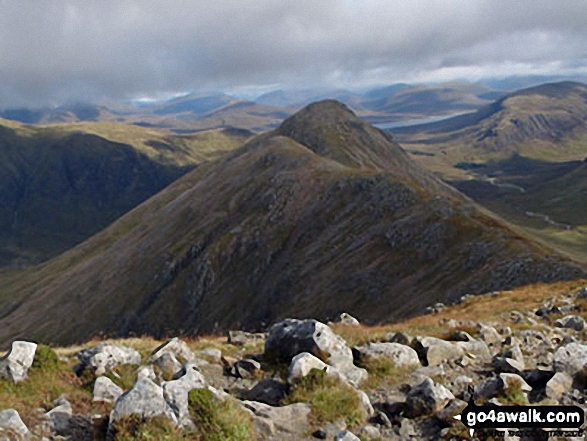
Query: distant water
point(418, 121)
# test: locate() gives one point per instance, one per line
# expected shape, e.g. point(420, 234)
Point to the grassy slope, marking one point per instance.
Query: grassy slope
point(278, 228)
point(545, 125)
point(61, 184)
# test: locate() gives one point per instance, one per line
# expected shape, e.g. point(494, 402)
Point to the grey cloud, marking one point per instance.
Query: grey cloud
point(54, 51)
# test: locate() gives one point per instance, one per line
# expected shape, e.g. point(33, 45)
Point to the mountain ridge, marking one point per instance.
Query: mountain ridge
point(270, 230)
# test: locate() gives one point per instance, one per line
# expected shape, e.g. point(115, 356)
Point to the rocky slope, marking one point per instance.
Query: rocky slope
point(306, 380)
point(325, 214)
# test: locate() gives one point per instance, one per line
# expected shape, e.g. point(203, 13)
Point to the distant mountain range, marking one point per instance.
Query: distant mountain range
point(521, 157)
point(324, 214)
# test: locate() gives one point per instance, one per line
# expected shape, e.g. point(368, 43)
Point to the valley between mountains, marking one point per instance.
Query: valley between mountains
point(321, 215)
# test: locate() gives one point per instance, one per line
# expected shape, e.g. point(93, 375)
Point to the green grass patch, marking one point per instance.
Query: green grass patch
point(46, 359)
point(136, 428)
point(383, 371)
point(124, 376)
point(219, 420)
point(331, 400)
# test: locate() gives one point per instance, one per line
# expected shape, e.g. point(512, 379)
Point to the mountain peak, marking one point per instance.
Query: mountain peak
point(330, 129)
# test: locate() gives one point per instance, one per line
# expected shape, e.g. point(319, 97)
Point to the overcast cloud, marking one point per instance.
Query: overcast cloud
point(64, 50)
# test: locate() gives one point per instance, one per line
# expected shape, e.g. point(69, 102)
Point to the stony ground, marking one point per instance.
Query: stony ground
point(305, 380)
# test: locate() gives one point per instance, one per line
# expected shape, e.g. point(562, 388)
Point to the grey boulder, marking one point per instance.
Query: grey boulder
point(176, 347)
point(105, 357)
point(106, 391)
point(291, 337)
point(400, 355)
point(426, 399)
point(571, 322)
point(571, 359)
point(145, 399)
point(11, 423)
point(291, 419)
point(176, 393)
point(15, 365)
point(434, 351)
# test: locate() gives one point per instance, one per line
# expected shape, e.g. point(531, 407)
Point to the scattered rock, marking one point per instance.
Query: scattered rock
point(488, 388)
point(291, 419)
point(347, 320)
point(241, 338)
point(434, 351)
point(105, 390)
point(370, 433)
point(105, 357)
point(426, 399)
point(268, 391)
point(291, 337)
point(10, 422)
point(571, 359)
point(144, 399)
point(507, 365)
point(60, 416)
point(400, 354)
point(571, 322)
point(168, 364)
point(397, 337)
point(474, 348)
point(346, 436)
point(453, 408)
point(490, 335)
point(176, 393)
point(365, 403)
point(175, 347)
point(146, 371)
point(212, 354)
point(247, 368)
point(560, 383)
point(510, 380)
point(15, 365)
point(303, 363)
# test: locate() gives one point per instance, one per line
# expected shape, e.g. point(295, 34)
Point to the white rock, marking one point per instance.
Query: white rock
point(106, 390)
point(15, 365)
point(10, 421)
point(105, 357)
point(144, 399)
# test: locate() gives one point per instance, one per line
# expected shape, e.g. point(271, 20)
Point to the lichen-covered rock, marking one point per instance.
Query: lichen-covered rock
point(145, 399)
point(105, 357)
point(303, 363)
point(427, 398)
point(105, 390)
point(10, 422)
point(15, 365)
point(241, 338)
point(400, 355)
point(291, 337)
point(176, 392)
point(560, 383)
point(60, 416)
point(176, 347)
point(291, 419)
point(434, 351)
point(571, 359)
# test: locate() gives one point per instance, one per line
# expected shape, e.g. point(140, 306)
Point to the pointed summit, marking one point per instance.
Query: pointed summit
point(332, 130)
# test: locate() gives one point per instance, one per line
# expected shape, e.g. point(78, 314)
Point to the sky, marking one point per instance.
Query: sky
point(58, 51)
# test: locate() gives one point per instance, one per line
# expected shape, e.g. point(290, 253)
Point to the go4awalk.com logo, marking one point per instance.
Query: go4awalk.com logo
point(524, 419)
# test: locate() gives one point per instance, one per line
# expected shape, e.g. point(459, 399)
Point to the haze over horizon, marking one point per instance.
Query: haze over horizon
point(56, 52)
